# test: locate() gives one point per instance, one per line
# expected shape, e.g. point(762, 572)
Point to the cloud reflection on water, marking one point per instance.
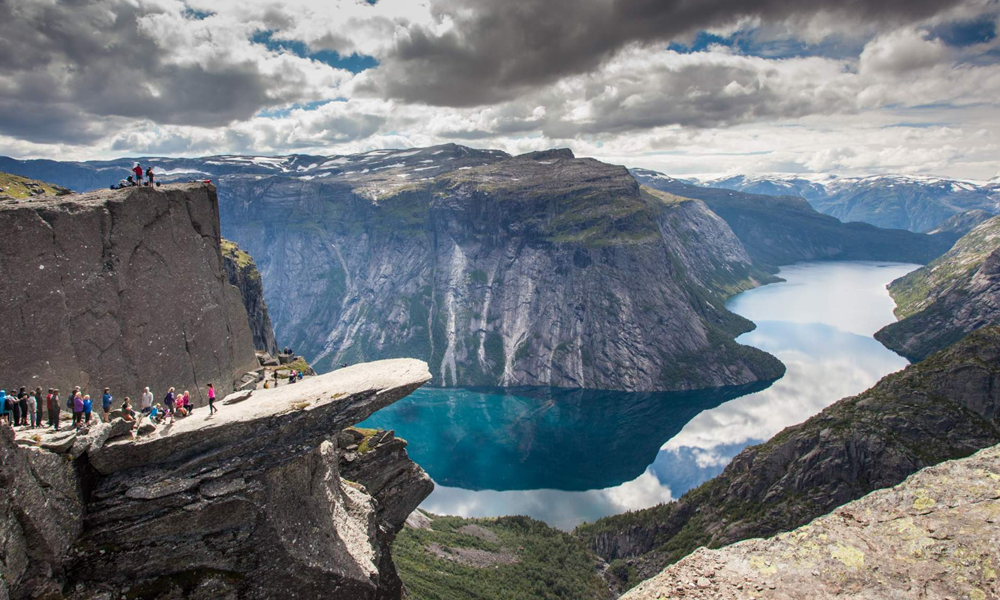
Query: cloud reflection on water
point(819, 323)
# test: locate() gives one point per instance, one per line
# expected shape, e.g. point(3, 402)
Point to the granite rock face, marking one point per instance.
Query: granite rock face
point(120, 288)
point(241, 271)
point(949, 298)
point(41, 511)
point(943, 408)
point(249, 503)
point(934, 536)
point(541, 269)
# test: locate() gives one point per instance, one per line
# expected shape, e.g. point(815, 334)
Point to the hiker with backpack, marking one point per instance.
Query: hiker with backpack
point(137, 169)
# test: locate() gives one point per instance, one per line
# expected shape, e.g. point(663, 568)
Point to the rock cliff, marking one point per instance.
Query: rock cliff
point(241, 271)
point(946, 407)
point(121, 288)
point(541, 269)
point(249, 503)
point(934, 536)
point(952, 296)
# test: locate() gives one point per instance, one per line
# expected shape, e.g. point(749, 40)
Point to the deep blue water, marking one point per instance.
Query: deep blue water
point(567, 456)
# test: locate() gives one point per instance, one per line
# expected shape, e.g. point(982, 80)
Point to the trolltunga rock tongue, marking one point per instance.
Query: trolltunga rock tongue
point(297, 417)
point(250, 503)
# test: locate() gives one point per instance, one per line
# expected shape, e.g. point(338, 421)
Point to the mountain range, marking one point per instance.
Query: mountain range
point(916, 203)
point(539, 269)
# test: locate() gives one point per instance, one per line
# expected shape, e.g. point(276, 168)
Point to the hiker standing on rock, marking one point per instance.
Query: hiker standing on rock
point(149, 175)
point(77, 401)
point(32, 410)
point(4, 411)
point(147, 401)
point(137, 169)
point(53, 408)
point(106, 400)
point(168, 402)
point(211, 400)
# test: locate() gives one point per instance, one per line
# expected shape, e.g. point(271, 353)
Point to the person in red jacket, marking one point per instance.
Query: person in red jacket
point(138, 173)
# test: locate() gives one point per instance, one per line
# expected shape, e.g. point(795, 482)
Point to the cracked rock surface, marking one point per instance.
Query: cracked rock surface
point(934, 536)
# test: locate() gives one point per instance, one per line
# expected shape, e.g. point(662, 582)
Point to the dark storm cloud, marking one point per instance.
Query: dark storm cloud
point(498, 49)
point(66, 68)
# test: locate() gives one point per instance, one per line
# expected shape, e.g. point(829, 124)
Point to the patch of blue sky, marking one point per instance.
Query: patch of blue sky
point(355, 63)
point(197, 15)
point(967, 33)
point(758, 43)
point(287, 110)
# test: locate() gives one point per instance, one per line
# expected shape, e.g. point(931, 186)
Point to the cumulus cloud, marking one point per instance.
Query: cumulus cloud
point(807, 86)
point(495, 50)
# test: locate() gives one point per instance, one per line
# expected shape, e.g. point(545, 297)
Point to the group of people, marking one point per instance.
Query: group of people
point(135, 178)
point(25, 407)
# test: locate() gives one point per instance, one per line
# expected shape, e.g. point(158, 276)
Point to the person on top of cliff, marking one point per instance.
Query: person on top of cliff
point(211, 400)
point(149, 175)
point(137, 169)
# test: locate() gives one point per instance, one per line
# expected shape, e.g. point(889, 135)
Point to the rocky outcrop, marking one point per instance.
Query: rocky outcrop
point(41, 507)
point(14, 187)
point(952, 296)
point(934, 536)
point(249, 503)
point(379, 463)
point(541, 269)
point(241, 271)
point(120, 288)
point(780, 230)
point(943, 408)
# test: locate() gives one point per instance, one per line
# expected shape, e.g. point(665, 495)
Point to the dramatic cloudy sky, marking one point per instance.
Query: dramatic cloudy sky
point(684, 86)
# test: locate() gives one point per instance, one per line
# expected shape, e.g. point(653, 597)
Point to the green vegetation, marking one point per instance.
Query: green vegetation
point(915, 291)
point(21, 188)
point(232, 250)
point(520, 559)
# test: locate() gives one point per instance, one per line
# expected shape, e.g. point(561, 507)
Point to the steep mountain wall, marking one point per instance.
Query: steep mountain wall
point(123, 289)
point(946, 407)
point(241, 271)
point(534, 270)
point(952, 296)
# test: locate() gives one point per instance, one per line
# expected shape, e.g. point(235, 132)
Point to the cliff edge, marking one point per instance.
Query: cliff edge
point(248, 503)
point(120, 288)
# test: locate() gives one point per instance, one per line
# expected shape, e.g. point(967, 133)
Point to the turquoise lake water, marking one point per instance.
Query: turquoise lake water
point(568, 456)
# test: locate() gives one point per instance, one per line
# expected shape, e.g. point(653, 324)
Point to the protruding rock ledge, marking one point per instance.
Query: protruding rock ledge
point(300, 416)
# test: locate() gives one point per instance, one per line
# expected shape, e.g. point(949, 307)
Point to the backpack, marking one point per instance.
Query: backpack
point(69, 403)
